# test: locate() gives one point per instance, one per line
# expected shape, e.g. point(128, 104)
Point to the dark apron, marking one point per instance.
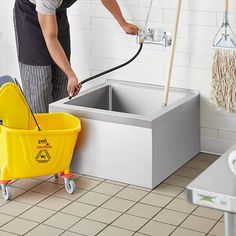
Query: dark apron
point(32, 49)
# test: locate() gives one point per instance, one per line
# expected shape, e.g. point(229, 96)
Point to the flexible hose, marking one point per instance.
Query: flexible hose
point(112, 69)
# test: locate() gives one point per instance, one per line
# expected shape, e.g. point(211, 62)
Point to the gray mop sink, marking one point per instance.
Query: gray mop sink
point(126, 134)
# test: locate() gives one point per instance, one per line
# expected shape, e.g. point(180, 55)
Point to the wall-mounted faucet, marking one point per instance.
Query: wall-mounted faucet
point(148, 36)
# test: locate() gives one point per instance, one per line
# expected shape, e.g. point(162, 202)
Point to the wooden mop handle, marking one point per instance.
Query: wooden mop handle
point(226, 5)
point(171, 60)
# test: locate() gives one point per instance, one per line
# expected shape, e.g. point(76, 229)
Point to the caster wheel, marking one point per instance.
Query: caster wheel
point(69, 185)
point(56, 176)
point(6, 192)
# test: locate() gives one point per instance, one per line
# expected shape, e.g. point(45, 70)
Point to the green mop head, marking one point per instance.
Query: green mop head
point(223, 93)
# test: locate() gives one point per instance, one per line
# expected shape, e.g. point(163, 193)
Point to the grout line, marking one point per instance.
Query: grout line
point(71, 201)
point(48, 195)
point(100, 206)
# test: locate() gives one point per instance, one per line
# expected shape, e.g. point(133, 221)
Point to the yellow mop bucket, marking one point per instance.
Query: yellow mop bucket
point(33, 145)
point(29, 153)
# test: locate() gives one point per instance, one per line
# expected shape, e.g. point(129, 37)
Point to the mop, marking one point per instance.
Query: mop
point(172, 54)
point(223, 91)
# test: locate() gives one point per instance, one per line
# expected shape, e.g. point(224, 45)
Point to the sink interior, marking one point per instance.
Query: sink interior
point(140, 100)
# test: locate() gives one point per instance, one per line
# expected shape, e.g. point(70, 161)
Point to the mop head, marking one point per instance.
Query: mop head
point(223, 92)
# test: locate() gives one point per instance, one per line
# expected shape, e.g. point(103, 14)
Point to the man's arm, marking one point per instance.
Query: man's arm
point(49, 28)
point(114, 8)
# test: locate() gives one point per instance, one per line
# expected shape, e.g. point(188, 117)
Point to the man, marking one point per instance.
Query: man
point(43, 43)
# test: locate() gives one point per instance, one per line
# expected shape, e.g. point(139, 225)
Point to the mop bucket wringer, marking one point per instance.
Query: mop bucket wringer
point(26, 153)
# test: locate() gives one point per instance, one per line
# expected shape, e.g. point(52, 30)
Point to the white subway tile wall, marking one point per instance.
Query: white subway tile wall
point(98, 43)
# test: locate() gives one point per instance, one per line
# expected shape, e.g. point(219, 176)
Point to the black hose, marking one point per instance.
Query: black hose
point(112, 69)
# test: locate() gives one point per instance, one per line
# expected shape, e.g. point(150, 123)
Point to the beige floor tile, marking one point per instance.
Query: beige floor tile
point(114, 231)
point(199, 224)
point(143, 210)
point(181, 206)
point(170, 217)
point(140, 188)
point(16, 192)
point(186, 232)
point(131, 194)
point(167, 189)
point(78, 209)
point(93, 198)
point(218, 230)
point(2, 233)
point(116, 182)
point(76, 175)
point(118, 204)
point(188, 172)
point(183, 195)
point(47, 188)
point(87, 227)
point(103, 215)
point(196, 164)
point(156, 199)
point(67, 233)
point(3, 202)
point(93, 178)
point(44, 230)
point(107, 188)
point(60, 179)
point(26, 183)
point(129, 222)
point(156, 228)
point(54, 203)
point(4, 219)
point(206, 157)
point(19, 226)
point(178, 181)
point(62, 221)
point(208, 213)
point(63, 194)
point(44, 177)
point(86, 184)
point(14, 208)
point(37, 214)
point(31, 198)
point(54, 180)
point(141, 204)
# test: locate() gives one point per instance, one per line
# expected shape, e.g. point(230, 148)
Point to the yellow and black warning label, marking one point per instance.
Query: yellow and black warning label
point(43, 144)
point(43, 156)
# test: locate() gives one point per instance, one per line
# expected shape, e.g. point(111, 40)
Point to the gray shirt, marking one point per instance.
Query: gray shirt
point(47, 7)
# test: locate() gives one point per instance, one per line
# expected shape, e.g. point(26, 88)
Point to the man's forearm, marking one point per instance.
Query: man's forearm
point(49, 29)
point(114, 8)
point(59, 57)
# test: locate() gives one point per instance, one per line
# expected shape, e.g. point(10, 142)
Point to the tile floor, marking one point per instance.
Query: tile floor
point(41, 206)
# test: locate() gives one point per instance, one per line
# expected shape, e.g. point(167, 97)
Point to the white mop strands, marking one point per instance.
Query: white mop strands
point(223, 93)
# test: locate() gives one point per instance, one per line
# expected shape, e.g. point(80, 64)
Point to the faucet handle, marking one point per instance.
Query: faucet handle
point(167, 39)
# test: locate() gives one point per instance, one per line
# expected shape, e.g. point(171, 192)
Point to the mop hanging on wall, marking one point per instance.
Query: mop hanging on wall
point(223, 91)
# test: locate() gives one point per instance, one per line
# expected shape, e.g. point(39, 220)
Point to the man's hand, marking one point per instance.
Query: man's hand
point(130, 28)
point(73, 86)
point(114, 8)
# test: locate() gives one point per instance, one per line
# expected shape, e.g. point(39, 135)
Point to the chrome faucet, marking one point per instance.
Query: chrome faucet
point(147, 36)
